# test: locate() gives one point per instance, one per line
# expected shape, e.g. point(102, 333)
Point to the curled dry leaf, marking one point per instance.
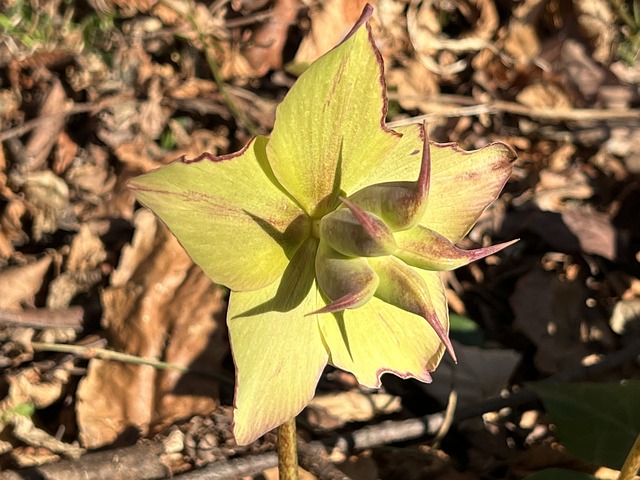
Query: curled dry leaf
point(11, 232)
point(20, 284)
point(47, 198)
point(428, 38)
point(25, 431)
point(44, 136)
point(155, 292)
point(599, 23)
point(82, 273)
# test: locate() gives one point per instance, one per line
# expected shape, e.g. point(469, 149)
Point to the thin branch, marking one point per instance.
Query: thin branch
point(104, 354)
point(71, 317)
point(444, 108)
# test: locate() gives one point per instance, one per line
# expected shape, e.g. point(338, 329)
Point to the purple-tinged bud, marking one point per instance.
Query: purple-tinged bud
point(403, 287)
point(349, 282)
point(356, 233)
point(427, 249)
point(400, 204)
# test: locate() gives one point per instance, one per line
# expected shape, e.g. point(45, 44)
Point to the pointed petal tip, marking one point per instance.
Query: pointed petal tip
point(424, 178)
point(481, 253)
point(434, 322)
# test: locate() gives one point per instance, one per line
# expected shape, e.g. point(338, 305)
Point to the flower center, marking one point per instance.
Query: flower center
point(315, 227)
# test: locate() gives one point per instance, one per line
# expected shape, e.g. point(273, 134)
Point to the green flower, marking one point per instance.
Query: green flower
point(330, 235)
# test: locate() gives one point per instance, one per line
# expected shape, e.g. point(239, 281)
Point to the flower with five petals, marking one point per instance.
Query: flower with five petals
point(330, 235)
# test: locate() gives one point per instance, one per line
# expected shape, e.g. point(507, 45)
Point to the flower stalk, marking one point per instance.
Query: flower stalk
point(287, 447)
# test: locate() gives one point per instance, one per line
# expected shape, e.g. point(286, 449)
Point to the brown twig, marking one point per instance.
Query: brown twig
point(71, 317)
point(456, 106)
point(368, 437)
point(142, 462)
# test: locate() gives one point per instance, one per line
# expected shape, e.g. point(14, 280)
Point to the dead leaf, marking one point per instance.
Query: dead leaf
point(480, 373)
point(28, 386)
point(47, 198)
point(330, 22)
point(550, 313)
point(416, 85)
point(557, 192)
point(544, 95)
point(44, 137)
point(625, 318)
point(82, 273)
point(522, 43)
point(334, 410)
point(267, 42)
point(27, 432)
point(143, 307)
point(20, 284)
point(199, 341)
point(11, 232)
point(580, 69)
point(596, 234)
point(599, 23)
point(66, 150)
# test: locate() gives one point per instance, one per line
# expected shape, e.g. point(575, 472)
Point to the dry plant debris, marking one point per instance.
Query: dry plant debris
point(110, 337)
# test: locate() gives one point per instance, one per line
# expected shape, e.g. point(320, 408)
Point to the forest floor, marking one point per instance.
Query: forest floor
point(114, 356)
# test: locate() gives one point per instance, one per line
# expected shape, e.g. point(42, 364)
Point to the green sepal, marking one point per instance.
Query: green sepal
point(423, 248)
point(403, 287)
point(228, 212)
point(349, 282)
point(356, 233)
point(463, 183)
point(278, 352)
point(330, 129)
point(380, 338)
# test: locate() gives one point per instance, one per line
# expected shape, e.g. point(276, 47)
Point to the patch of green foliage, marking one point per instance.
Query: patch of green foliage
point(28, 25)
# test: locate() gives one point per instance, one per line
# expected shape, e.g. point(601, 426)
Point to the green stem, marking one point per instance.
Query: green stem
point(632, 462)
point(288, 450)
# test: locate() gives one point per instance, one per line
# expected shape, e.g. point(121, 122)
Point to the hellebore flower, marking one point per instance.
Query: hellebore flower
point(330, 235)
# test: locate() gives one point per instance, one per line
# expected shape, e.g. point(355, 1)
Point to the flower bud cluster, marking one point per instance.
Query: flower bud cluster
point(373, 243)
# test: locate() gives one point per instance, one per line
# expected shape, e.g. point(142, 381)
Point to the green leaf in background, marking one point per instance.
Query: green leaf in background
point(597, 422)
point(560, 474)
point(465, 330)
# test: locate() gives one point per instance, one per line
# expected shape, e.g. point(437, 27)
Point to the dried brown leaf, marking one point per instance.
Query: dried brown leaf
point(44, 136)
point(82, 273)
point(522, 43)
point(145, 306)
point(550, 312)
point(20, 284)
point(265, 50)
point(47, 198)
point(66, 150)
point(543, 95)
point(596, 234)
point(333, 410)
point(330, 22)
point(27, 432)
point(598, 21)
